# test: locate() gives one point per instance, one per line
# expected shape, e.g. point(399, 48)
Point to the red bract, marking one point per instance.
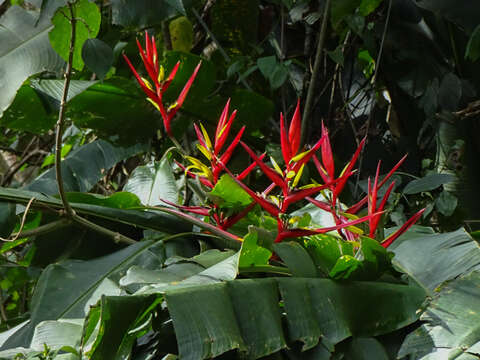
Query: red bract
point(408, 224)
point(327, 170)
point(355, 208)
point(156, 74)
point(211, 151)
point(209, 175)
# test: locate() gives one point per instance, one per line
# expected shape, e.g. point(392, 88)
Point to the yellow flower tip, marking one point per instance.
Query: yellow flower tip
point(161, 74)
point(208, 142)
point(147, 84)
point(298, 176)
point(276, 167)
point(290, 174)
point(299, 156)
point(173, 106)
point(154, 104)
point(355, 230)
point(204, 151)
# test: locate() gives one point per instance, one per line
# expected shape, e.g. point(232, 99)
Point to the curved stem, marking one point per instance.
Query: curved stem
point(61, 116)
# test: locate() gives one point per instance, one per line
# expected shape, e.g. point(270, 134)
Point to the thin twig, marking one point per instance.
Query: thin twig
point(8, 176)
point(316, 67)
point(3, 313)
point(43, 229)
point(61, 117)
point(24, 218)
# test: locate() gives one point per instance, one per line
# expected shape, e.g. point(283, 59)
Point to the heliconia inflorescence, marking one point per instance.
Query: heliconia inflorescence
point(285, 189)
point(158, 84)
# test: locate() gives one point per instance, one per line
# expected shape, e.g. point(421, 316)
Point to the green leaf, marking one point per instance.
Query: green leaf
point(450, 327)
point(181, 34)
point(228, 194)
point(119, 332)
point(184, 274)
point(8, 218)
point(462, 12)
point(153, 183)
point(369, 263)
point(446, 203)
point(98, 57)
point(56, 334)
point(450, 92)
point(264, 335)
point(279, 76)
point(110, 107)
point(252, 254)
point(50, 301)
point(374, 257)
point(87, 25)
point(206, 327)
point(346, 267)
point(141, 14)
point(427, 183)
point(267, 65)
point(81, 175)
point(325, 250)
point(472, 50)
point(25, 51)
point(368, 6)
point(366, 349)
point(155, 220)
point(27, 113)
point(52, 90)
point(244, 314)
point(254, 110)
point(341, 9)
point(337, 55)
point(431, 259)
point(118, 200)
point(296, 258)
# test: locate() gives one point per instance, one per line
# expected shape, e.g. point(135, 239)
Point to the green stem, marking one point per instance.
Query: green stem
point(115, 236)
point(61, 116)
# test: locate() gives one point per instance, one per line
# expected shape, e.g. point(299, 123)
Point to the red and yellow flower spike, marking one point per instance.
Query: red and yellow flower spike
point(212, 150)
point(156, 74)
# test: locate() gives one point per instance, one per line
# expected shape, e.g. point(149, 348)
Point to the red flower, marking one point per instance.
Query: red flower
point(156, 73)
point(212, 151)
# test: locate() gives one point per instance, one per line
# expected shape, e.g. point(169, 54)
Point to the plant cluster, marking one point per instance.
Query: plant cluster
point(286, 189)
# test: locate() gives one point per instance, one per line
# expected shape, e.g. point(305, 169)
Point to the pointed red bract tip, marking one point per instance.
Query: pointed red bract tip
point(410, 222)
point(294, 132)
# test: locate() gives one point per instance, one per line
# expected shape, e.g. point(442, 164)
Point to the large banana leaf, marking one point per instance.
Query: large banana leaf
point(64, 288)
point(432, 259)
point(452, 324)
point(80, 174)
point(245, 314)
point(24, 51)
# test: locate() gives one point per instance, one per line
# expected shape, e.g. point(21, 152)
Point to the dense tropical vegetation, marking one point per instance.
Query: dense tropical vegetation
point(290, 179)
